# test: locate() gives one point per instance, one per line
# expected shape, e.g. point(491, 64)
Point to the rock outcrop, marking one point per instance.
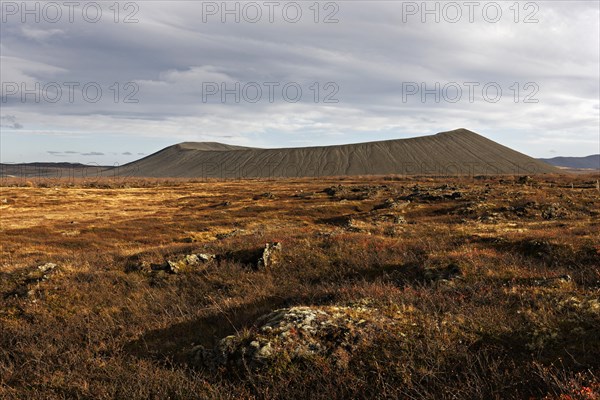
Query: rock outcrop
point(296, 333)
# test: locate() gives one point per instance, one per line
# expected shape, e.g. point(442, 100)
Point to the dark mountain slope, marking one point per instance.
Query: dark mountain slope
point(458, 152)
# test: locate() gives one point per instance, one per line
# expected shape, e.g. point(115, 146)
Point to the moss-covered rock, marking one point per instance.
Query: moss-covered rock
point(296, 334)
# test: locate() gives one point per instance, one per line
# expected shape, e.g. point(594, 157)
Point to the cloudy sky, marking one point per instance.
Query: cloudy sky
point(106, 82)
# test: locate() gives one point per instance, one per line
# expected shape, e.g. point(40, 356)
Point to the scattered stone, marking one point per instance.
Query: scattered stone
point(523, 180)
point(296, 333)
point(235, 232)
point(445, 187)
point(490, 217)
point(424, 196)
point(342, 192)
point(257, 258)
point(267, 195)
point(394, 218)
point(346, 222)
point(467, 209)
point(304, 195)
point(40, 273)
point(554, 281)
point(352, 226)
point(28, 283)
point(399, 219)
point(335, 190)
point(392, 204)
point(446, 273)
point(328, 235)
point(270, 256)
point(183, 262)
point(205, 257)
point(483, 212)
point(553, 211)
point(524, 210)
point(71, 233)
point(48, 267)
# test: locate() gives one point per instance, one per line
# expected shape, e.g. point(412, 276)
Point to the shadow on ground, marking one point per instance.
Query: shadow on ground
point(173, 343)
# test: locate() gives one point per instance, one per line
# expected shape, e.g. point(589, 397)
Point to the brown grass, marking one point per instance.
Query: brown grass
point(100, 328)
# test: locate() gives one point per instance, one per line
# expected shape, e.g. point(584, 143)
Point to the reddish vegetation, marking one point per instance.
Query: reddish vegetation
point(491, 283)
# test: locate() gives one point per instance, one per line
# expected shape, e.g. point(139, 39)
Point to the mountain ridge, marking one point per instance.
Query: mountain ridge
point(587, 162)
point(456, 152)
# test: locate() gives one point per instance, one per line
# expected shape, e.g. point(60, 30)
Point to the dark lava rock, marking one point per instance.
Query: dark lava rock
point(183, 262)
point(392, 204)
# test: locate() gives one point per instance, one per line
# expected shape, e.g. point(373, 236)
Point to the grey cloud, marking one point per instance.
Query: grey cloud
point(63, 153)
point(10, 121)
point(369, 54)
point(126, 153)
point(93, 153)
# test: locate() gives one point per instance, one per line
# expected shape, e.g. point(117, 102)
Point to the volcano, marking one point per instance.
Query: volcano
point(457, 152)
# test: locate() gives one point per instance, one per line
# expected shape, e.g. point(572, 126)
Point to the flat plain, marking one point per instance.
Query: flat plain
point(372, 287)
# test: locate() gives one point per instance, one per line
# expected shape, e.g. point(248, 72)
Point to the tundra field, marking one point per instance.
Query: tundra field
point(379, 287)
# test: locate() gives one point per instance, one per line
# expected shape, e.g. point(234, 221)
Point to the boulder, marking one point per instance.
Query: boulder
point(341, 192)
point(553, 211)
point(392, 204)
point(296, 333)
point(256, 258)
point(183, 262)
point(28, 284)
point(271, 255)
point(393, 218)
point(524, 180)
point(48, 267)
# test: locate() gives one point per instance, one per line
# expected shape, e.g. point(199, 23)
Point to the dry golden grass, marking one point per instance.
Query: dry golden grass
point(510, 325)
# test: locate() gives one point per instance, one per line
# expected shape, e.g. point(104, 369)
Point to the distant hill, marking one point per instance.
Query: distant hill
point(50, 170)
point(458, 152)
point(45, 165)
point(589, 162)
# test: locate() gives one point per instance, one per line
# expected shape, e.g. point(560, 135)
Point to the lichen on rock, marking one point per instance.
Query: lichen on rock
point(296, 333)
